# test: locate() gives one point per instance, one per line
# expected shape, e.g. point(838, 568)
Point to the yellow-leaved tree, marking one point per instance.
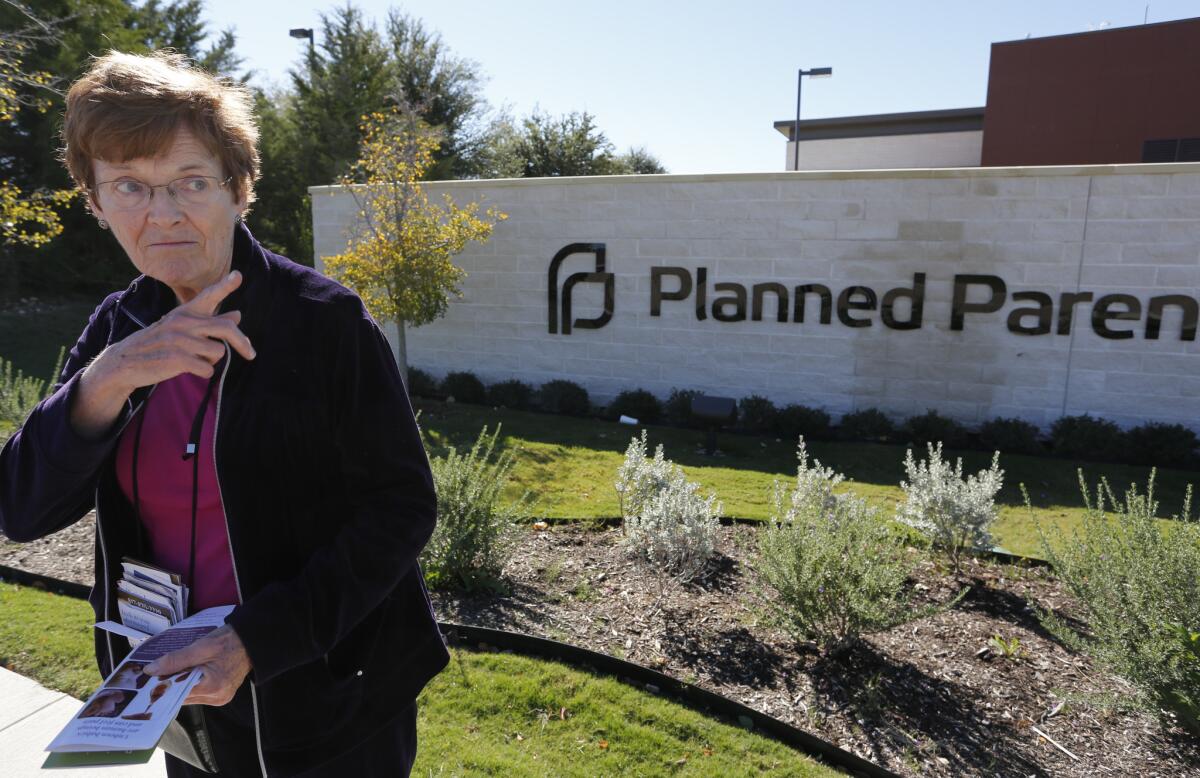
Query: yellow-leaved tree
point(26, 218)
point(399, 254)
point(30, 218)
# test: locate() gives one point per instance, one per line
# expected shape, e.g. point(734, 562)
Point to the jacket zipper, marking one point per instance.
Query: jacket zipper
point(100, 531)
point(229, 538)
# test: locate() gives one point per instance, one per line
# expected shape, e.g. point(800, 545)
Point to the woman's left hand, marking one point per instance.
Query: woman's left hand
point(222, 657)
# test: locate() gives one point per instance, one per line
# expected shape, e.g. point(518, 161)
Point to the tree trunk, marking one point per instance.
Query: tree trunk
point(401, 353)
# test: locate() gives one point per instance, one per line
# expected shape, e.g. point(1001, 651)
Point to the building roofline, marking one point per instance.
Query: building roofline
point(908, 123)
point(472, 185)
point(1095, 32)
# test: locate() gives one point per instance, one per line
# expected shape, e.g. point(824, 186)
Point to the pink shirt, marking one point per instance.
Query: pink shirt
point(165, 489)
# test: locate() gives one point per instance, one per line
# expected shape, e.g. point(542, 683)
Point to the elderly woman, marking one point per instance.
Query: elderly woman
point(238, 419)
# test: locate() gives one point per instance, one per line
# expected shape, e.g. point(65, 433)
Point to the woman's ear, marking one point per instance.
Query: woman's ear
point(93, 208)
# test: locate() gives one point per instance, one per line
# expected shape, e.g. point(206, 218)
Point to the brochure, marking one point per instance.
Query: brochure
point(152, 585)
point(126, 717)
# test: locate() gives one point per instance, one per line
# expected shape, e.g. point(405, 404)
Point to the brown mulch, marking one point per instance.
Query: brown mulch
point(926, 698)
point(66, 555)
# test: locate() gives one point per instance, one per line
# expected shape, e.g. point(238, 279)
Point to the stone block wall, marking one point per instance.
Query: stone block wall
point(1130, 230)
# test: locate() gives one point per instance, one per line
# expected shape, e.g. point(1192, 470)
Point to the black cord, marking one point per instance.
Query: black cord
point(190, 451)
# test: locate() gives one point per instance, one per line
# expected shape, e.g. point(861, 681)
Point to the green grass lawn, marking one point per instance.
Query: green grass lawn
point(486, 714)
point(569, 465)
point(31, 341)
point(48, 637)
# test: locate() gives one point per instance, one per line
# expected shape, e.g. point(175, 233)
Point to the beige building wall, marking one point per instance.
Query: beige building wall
point(886, 152)
point(1132, 230)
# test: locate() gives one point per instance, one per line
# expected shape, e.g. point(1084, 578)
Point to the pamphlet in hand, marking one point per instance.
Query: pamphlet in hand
point(126, 717)
point(149, 598)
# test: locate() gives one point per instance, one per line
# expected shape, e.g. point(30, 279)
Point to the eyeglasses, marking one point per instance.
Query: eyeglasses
point(129, 194)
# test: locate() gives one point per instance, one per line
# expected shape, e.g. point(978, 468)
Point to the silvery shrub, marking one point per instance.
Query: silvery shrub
point(20, 393)
point(667, 522)
point(956, 513)
point(1137, 581)
point(475, 533)
point(835, 569)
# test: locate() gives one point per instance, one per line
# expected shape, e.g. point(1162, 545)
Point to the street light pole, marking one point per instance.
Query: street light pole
point(814, 73)
point(303, 32)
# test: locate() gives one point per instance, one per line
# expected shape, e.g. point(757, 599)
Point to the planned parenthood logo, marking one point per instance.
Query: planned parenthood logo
point(979, 296)
point(599, 276)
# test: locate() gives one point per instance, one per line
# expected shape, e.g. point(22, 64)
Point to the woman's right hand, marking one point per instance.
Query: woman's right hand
point(189, 339)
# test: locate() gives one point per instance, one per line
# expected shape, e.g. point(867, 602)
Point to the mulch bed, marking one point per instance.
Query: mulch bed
point(926, 698)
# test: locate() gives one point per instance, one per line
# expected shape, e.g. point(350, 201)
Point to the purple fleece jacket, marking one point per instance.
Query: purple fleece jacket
point(327, 492)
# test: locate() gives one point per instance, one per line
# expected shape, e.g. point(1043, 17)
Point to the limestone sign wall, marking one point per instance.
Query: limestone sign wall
point(1029, 292)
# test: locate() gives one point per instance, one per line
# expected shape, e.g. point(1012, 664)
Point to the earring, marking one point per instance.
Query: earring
point(103, 224)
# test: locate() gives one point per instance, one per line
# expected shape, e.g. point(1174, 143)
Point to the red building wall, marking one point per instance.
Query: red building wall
point(1092, 98)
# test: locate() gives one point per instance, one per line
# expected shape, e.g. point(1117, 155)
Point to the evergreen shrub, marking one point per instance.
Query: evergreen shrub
point(869, 424)
point(932, 427)
point(566, 397)
point(1136, 582)
point(19, 394)
point(513, 394)
point(475, 533)
point(834, 569)
point(1086, 437)
point(637, 403)
point(464, 387)
point(1010, 436)
point(795, 421)
point(1161, 445)
point(678, 407)
point(422, 384)
point(757, 414)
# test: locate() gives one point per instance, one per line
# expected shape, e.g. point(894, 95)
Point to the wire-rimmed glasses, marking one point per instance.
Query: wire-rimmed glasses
point(129, 194)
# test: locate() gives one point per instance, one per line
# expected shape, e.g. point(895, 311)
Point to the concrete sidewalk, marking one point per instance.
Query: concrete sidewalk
point(30, 716)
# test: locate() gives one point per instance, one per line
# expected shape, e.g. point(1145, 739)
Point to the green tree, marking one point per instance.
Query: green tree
point(445, 90)
point(311, 136)
point(28, 216)
point(400, 260)
point(282, 215)
point(178, 25)
point(343, 79)
point(638, 160)
point(570, 145)
point(567, 145)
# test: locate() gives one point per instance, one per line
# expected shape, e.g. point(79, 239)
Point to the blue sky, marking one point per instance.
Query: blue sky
point(701, 83)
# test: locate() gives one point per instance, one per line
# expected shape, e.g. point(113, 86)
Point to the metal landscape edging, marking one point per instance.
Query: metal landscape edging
point(44, 582)
point(652, 681)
